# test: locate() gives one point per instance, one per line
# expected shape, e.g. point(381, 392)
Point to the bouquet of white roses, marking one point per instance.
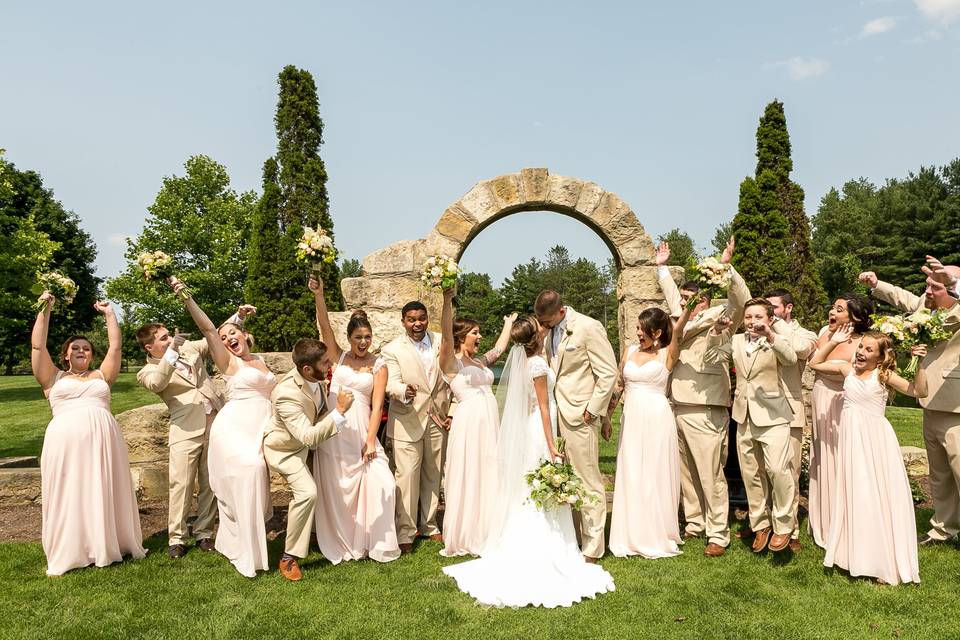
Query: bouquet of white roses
point(158, 265)
point(553, 484)
point(920, 327)
point(440, 272)
point(713, 278)
point(316, 248)
point(60, 286)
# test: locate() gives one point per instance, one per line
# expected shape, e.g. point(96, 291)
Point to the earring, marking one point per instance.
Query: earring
point(656, 343)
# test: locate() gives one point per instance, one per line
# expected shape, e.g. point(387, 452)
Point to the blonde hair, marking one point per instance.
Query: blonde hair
point(887, 360)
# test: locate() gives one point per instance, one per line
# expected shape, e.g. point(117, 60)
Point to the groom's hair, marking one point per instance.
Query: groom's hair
point(547, 303)
point(307, 352)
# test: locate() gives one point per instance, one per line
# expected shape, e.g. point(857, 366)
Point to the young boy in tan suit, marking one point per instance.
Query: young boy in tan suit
point(301, 421)
point(763, 414)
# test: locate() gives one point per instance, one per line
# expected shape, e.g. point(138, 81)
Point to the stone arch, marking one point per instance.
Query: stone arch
point(390, 275)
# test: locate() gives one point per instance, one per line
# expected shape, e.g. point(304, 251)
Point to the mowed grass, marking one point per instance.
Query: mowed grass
point(24, 412)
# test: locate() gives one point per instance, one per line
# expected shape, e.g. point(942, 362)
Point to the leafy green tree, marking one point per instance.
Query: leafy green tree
point(479, 300)
point(203, 225)
point(683, 253)
point(721, 236)
point(39, 235)
point(350, 268)
point(294, 197)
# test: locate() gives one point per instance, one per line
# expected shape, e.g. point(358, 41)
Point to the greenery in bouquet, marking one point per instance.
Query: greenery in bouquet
point(440, 272)
point(920, 327)
point(157, 265)
point(316, 248)
point(553, 484)
point(713, 277)
point(60, 286)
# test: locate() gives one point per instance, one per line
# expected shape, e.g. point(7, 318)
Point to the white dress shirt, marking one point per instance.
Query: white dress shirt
point(556, 337)
point(317, 390)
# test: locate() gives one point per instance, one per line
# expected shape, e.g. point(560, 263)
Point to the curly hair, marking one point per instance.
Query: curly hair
point(886, 355)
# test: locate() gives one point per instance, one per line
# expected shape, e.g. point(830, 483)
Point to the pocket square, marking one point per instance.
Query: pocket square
point(572, 348)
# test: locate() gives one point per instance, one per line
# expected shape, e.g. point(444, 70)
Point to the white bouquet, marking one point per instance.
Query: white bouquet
point(440, 272)
point(713, 277)
point(316, 248)
point(60, 286)
point(158, 265)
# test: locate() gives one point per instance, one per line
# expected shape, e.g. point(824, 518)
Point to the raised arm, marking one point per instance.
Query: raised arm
point(886, 292)
point(323, 319)
point(110, 367)
point(818, 361)
point(673, 349)
point(448, 359)
point(40, 361)
point(918, 386)
point(668, 287)
point(376, 410)
point(719, 342)
point(221, 357)
point(503, 341)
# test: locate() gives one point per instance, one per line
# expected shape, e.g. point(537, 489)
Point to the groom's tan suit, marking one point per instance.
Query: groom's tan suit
point(193, 402)
point(301, 421)
point(419, 443)
point(701, 396)
point(586, 369)
point(941, 413)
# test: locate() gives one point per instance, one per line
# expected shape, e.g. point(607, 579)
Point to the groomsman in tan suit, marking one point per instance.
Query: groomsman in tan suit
point(941, 407)
point(176, 371)
point(301, 421)
point(701, 396)
point(417, 424)
point(804, 343)
point(580, 354)
point(764, 417)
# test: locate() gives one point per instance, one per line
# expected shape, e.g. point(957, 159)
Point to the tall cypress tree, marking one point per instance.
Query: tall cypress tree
point(294, 196)
point(772, 230)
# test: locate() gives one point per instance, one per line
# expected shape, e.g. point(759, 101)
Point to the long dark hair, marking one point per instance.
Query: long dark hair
point(859, 308)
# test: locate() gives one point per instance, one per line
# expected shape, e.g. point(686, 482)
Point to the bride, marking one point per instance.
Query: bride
point(531, 556)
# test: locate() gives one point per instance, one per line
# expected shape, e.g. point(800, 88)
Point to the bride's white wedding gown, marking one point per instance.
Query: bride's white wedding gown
point(531, 556)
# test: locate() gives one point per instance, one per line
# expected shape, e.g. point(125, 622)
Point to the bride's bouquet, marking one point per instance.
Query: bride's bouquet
point(553, 484)
point(440, 272)
point(157, 265)
point(713, 277)
point(316, 249)
point(60, 286)
point(920, 327)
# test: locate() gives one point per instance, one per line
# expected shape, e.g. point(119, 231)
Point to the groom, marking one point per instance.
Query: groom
point(581, 356)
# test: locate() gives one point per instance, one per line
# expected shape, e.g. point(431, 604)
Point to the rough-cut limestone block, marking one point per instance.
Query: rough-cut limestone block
point(456, 223)
point(480, 202)
point(506, 191)
point(563, 192)
point(150, 480)
point(534, 185)
point(146, 430)
point(19, 486)
point(638, 283)
point(636, 252)
point(607, 211)
point(915, 460)
point(397, 259)
point(380, 293)
point(438, 244)
point(278, 362)
point(590, 196)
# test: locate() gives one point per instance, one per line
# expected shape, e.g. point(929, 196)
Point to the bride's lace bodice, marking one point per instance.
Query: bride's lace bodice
point(538, 367)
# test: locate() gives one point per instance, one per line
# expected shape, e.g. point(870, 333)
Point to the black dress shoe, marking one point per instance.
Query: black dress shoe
point(206, 544)
point(177, 551)
point(926, 540)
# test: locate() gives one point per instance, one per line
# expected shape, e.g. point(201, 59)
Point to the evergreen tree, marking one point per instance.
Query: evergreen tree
point(772, 231)
point(295, 196)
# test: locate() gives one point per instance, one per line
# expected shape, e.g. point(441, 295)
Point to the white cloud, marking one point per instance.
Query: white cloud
point(943, 11)
point(800, 68)
point(877, 26)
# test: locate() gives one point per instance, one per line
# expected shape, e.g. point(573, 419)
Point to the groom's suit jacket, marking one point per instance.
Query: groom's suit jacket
point(299, 421)
point(586, 368)
point(183, 398)
point(942, 362)
point(694, 381)
point(407, 422)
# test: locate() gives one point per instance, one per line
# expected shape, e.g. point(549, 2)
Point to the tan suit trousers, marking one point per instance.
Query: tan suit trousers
point(188, 465)
point(766, 462)
point(583, 451)
point(292, 465)
point(418, 467)
point(702, 432)
point(941, 434)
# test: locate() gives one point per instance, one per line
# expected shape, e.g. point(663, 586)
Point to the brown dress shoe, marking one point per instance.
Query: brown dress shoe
point(713, 550)
point(290, 570)
point(689, 535)
point(590, 560)
point(206, 544)
point(761, 538)
point(406, 547)
point(437, 537)
point(177, 551)
point(779, 541)
point(795, 545)
point(744, 534)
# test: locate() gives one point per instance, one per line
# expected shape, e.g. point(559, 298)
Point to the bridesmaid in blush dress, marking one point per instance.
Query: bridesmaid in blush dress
point(89, 506)
point(646, 494)
point(827, 402)
point(873, 530)
point(470, 473)
point(356, 491)
point(238, 473)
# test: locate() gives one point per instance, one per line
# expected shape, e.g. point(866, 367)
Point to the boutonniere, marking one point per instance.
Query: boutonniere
point(568, 332)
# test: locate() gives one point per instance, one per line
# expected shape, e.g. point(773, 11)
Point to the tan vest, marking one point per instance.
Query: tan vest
point(761, 392)
point(942, 363)
point(408, 422)
point(184, 399)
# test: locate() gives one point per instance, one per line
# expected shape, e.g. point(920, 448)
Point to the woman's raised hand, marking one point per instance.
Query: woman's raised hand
point(47, 297)
point(103, 307)
point(315, 286)
point(842, 333)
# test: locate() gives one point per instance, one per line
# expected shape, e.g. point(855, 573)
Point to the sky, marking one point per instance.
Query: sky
point(656, 102)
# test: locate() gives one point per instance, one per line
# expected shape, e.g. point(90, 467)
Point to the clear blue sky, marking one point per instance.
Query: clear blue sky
point(657, 102)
